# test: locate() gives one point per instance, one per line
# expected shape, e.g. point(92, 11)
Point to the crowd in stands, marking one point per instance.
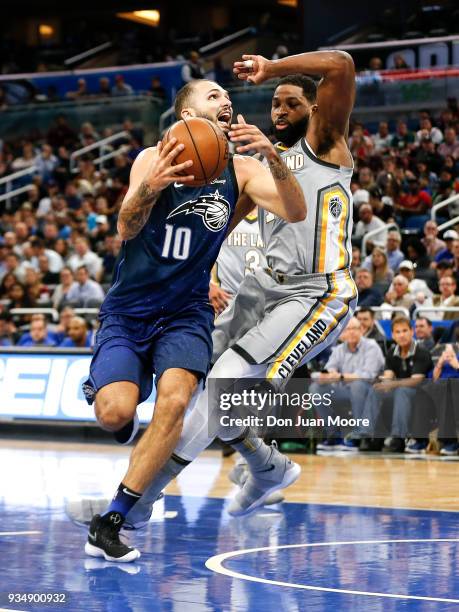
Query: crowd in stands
point(58, 248)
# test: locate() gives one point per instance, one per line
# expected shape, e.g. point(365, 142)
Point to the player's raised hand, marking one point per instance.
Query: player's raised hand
point(163, 171)
point(253, 69)
point(253, 137)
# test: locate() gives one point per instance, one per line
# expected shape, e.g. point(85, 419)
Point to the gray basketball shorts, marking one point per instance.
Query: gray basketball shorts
point(285, 321)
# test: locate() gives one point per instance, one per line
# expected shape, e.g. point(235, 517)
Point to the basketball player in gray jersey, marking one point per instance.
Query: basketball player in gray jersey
point(286, 314)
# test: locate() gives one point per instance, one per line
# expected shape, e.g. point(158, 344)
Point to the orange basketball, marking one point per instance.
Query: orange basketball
point(205, 144)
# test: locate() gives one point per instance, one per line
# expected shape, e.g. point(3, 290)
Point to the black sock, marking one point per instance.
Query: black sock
point(123, 500)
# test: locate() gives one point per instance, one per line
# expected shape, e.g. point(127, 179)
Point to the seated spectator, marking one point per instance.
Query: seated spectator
point(110, 251)
point(35, 289)
point(37, 248)
point(400, 63)
point(360, 144)
point(85, 292)
point(450, 146)
point(403, 138)
point(369, 222)
point(38, 335)
point(394, 255)
point(368, 295)
point(61, 134)
point(60, 331)
point(407, 365)
point(382, 139)
point(80, 92)
point(447, 297)
point(441, 410)
point(356, 259)
point(428, 131)
point(121, 88)
point(83, 256)
point(26, 160)
point(399, 295)
point(351, 369)
point(156, 89)
point(7, 282)
point(414, 201)
point(377, 263)
point(47, 277)
point(431, 241)
point(381, 208)
point(46, 162)
point(193, 68)
point(415, 285)
point(67, 281)
point(366, 178)
point(367, 320)
point(456, 256)
point(18, 297)
point(104, 87)
point(449, 237)
point(6, 330)
point(78, 334)
point(424, 333)
point(417, 253)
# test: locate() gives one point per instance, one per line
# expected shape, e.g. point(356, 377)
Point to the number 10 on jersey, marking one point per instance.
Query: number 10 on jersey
point(178, 239)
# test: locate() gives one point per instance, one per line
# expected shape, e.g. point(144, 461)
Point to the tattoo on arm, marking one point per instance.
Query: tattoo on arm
point(278, 169)
point(134, 213)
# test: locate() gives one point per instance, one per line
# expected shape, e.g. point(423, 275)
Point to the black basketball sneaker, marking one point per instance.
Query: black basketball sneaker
point(104, 539)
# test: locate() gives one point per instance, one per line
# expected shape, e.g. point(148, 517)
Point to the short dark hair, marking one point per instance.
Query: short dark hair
point(366, 309)
point(308, 85)
point(426, 319)
point(182, 99)
point(400, 320)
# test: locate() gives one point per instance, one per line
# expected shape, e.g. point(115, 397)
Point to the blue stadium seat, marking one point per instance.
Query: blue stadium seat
point(416, 222)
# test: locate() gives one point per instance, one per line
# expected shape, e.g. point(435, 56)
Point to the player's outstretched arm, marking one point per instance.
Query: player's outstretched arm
point(276, 189)
point(336, 91)
point(152, 171)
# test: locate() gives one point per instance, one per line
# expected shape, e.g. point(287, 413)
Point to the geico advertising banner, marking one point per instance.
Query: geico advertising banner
point(49, 387)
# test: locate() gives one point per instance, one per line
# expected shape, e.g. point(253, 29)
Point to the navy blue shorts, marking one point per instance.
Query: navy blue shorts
point(134, 349)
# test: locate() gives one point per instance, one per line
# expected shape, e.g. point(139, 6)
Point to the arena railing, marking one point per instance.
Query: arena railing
point(436, 207)
point(374, 232)
point(391, 309)
point(97, 145)
point(421, 309)
point(453, 221)
point(8, 182)
point(52, 312)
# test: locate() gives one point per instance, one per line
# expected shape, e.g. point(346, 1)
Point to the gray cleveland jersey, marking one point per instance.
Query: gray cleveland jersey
point(322, 242)
point(240, 254)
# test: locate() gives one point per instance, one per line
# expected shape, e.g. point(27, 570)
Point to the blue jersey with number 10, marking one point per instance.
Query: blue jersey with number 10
point(167, 265)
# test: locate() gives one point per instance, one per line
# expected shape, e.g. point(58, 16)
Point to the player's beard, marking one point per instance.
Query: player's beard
point(293, 132)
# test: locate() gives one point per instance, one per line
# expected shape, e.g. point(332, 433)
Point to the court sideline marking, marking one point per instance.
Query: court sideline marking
point(215, 564)
point(15, 533)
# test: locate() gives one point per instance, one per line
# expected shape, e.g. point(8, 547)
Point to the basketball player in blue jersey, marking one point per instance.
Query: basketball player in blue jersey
point(156, 318)
point(307, 294)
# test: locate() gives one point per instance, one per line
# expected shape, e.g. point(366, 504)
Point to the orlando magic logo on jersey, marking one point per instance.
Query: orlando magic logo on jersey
point(167, 265)
point(212, 207)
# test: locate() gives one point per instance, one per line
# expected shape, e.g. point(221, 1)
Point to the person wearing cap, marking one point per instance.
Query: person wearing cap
point(399, 293)
point(360, 196)
point(415, 285)
point(431, 240)
point(449, 237)
point(447, 297)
